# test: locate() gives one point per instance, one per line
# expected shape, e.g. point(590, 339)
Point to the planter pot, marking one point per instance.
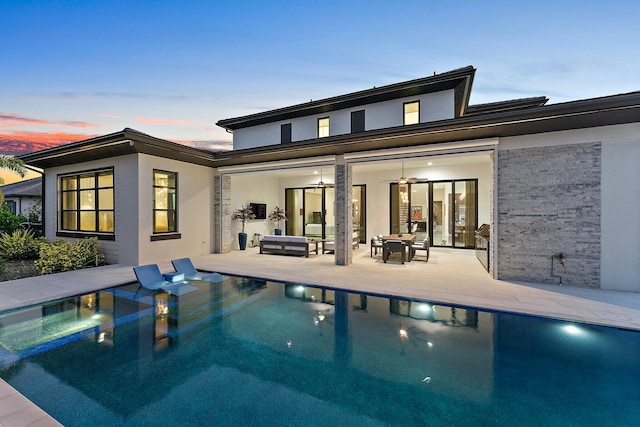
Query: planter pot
point(278, 232)
point(242, 241)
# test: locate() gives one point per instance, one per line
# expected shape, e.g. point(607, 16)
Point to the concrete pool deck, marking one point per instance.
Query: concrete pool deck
point(450, 277)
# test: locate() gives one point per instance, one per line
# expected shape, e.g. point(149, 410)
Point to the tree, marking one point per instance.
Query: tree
point(12, 164)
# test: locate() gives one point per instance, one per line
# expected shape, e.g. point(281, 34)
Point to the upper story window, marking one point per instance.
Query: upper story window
point(411, 112)
point(165, 201)
point(285, 133)
point(87, 202)
point(323, 127)
point(357, 121)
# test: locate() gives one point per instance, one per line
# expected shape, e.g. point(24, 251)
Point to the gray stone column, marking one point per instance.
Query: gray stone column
point(493, 241)
point(343, 212)
point(222, 214)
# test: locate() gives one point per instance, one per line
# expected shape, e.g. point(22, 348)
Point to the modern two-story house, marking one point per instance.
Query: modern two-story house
point(553, 182)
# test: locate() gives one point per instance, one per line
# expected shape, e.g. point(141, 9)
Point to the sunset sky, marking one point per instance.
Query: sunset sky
point(75, 69)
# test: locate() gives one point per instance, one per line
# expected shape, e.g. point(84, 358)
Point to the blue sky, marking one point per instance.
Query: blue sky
point(75, 69)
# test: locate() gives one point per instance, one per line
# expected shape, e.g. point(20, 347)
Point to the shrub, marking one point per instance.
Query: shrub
point(8, 221)
point(61, 255)
point(21, 244)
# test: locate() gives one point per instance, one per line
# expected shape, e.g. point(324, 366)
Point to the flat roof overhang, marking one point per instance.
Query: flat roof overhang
point(116, 144)
point(613, 110)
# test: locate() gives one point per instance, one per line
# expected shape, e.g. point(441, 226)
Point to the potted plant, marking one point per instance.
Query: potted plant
point(277, 214)
point(243, 214)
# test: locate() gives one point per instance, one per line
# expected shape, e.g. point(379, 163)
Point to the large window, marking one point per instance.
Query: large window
point(86, 202)
point(165, 209)
point(411, 113)
point(323, 127)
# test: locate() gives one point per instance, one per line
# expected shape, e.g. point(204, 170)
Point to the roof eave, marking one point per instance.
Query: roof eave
point(121, 143)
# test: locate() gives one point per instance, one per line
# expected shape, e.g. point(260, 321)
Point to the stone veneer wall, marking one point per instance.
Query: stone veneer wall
point(222, 214)
point(343, 212)
point(549, 203)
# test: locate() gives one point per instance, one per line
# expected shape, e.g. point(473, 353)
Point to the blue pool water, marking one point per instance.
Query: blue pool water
point(246, 352)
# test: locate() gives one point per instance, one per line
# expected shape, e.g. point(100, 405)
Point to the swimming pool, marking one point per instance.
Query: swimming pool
point(250, 352)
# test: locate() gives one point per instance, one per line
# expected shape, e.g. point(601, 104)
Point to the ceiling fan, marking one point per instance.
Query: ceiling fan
point(403, 179)
point(321, 183)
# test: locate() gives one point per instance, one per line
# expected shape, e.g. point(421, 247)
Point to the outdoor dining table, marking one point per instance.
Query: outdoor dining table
point(406, 238)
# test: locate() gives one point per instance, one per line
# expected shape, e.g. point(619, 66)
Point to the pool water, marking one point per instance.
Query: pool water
point(250, 352)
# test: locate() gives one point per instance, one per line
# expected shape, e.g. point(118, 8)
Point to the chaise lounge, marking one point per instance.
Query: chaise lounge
point(186, 267)
point(149, 277)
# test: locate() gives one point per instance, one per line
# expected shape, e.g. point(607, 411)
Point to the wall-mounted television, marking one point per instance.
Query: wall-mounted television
point(259, 210)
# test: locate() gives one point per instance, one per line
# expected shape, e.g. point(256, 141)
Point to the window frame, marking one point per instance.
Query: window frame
point(12, 205)
point(155, 209)
point(328, 127)
point(404, 112)
point(96, 188)
point(358, 121)
point(285, 133)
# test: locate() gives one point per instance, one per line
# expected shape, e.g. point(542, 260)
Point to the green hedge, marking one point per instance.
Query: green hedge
point(8, 221)
point(21, 244)
point(61, 255)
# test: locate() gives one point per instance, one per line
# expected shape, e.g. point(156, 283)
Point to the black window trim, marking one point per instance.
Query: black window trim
point(101, 235)
point(404, 115)
point(285, 133)
point(318, 126)
point(164, 235)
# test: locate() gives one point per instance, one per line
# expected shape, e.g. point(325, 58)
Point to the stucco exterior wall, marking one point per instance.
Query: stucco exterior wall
point(133, 208)
point(195, 210)
point(549, 202)
point(380, 115)
point(620, 207)
point(124, 247)
point(253, 188)
point(23, 203)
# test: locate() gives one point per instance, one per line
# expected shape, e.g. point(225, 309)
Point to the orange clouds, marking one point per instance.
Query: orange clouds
point(27, 142)
point(13, 120)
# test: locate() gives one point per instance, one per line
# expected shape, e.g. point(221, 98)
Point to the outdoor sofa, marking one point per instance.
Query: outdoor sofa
point(285, 245)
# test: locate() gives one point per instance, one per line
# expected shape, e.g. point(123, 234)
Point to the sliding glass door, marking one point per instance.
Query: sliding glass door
point(465, 215)
point(446, 211)
point(359, 201)
point(310, 212)
point(441, 214)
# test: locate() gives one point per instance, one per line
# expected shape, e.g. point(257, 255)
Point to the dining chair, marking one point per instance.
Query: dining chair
point(376, 243)
point(393, 246)
point(422, 245)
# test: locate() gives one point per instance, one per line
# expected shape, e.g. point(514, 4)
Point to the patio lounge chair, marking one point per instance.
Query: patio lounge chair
point(149, 277)
point(185, 266)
